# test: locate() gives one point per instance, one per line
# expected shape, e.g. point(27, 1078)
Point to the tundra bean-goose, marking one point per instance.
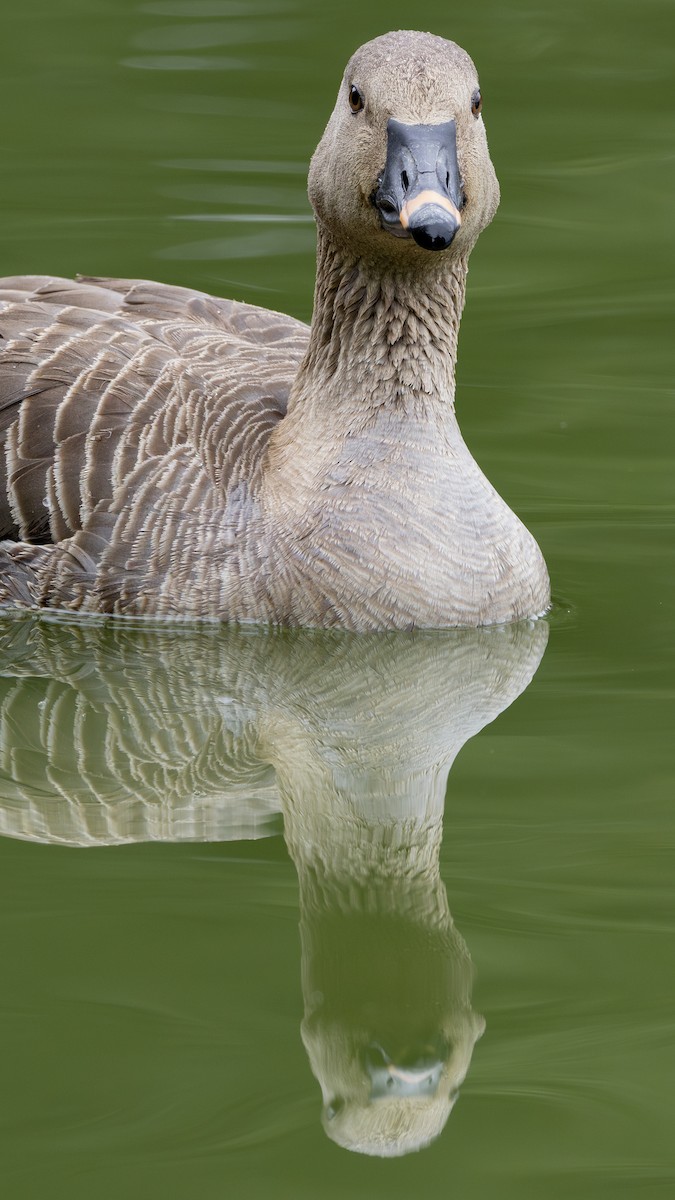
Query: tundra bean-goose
point(169, 453)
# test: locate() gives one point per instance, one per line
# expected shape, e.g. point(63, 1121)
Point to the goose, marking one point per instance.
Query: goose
point(169, 453)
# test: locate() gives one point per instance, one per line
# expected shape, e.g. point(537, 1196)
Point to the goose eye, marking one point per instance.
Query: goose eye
point(355, 99)
point(476, 103)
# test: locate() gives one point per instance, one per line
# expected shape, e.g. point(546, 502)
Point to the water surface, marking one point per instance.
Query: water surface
point(173, 1006)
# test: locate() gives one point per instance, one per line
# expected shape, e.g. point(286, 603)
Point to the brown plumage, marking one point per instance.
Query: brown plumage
point(169, 453)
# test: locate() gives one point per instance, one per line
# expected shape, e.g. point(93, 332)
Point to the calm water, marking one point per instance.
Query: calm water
point(273, 903)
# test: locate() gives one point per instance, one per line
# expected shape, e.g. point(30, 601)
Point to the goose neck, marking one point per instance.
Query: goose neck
point(381, 336)
point(349, 858)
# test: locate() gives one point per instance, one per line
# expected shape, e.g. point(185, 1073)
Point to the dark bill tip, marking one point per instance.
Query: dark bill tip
point(433, 228)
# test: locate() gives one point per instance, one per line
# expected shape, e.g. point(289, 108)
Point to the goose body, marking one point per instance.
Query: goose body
point(169, 453)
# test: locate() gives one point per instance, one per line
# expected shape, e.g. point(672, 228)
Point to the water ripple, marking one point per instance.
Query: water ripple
point(205, 36)
point(235, 166)
point(259, 195)
point(260, 245)
point(214, 8)
point(247, 218)
point(184, 62)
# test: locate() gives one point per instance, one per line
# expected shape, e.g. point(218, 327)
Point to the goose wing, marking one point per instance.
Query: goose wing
point(120, 396)
point(87, 363)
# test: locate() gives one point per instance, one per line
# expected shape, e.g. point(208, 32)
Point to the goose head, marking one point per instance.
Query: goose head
point(402, 173)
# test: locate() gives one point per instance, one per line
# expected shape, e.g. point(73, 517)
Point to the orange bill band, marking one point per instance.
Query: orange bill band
point(428, 196)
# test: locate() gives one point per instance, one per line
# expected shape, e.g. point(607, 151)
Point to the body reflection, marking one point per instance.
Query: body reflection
point(113, 733)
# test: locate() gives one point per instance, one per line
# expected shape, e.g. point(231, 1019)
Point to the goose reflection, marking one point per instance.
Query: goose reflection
point(113, 733)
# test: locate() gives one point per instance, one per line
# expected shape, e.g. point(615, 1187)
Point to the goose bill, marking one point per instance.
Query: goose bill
point(419, 194)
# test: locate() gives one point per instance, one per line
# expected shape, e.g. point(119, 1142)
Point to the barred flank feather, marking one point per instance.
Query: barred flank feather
point(125, 389)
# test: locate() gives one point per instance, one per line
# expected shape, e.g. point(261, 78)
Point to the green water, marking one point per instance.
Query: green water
point(170, 1006)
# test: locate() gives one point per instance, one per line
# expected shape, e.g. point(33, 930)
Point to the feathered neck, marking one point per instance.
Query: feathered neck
point(381, 338)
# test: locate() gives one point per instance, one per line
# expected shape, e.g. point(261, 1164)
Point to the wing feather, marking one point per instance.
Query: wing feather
point(127, 411)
